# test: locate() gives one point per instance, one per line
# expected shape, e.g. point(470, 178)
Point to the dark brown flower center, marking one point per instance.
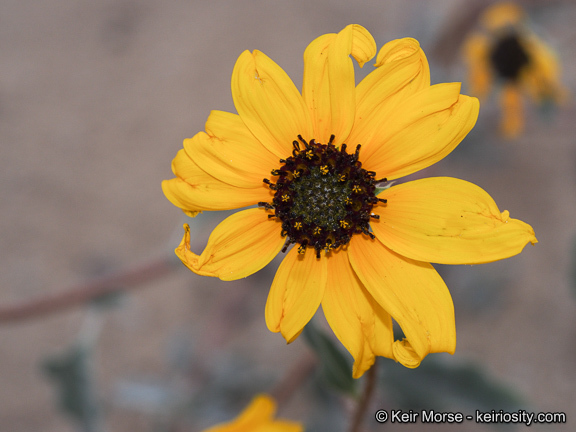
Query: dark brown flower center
point(508, 57)
point(323, 196)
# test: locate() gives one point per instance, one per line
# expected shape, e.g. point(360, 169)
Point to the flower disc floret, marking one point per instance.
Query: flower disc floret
point(323, 196)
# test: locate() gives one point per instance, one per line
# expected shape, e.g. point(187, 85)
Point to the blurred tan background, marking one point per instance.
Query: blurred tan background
point(95, 100)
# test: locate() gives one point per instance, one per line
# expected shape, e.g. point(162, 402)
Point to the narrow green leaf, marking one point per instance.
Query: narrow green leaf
point(335, 366)
point(443, 385)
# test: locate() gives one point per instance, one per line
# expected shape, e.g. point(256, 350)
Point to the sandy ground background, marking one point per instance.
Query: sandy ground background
point(95, 100)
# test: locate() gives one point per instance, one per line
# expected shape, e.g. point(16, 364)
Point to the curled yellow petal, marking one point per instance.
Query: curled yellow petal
point(239, 246)
point(402, 70)
point(296, 293)
point(329, 87)
point(448, 221)
point(413, 293)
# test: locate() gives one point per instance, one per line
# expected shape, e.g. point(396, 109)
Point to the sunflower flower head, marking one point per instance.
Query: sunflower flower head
point(504, 53)
point(317, 167)
point(258, 417)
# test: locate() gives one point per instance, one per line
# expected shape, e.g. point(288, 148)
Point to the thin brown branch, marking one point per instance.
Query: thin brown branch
point(364, 402)
point(294, 379)
point(86, 291)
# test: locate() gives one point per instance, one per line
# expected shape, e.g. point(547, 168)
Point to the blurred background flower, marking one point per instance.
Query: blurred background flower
point(506, 56)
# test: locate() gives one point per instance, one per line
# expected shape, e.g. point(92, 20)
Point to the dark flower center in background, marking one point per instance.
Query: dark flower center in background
point(323, 196)
point(508, 57)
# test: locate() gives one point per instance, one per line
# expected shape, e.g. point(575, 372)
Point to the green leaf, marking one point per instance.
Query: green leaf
point(443, 385)
point(335, 366)
point(71, 374)
point(110, 300)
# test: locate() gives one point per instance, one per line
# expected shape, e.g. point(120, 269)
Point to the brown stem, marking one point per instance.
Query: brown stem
point(86, 291)
point(364, 401)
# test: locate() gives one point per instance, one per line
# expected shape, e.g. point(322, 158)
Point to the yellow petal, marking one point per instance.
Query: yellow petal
point(229, 152)
point(360, 323)
point(422, 130)
point(541, 77)
point(269, 103)
point(261, 409)
point(501, 15)
point(239, 246)
point(402, 70)
point(258, 417)
point(296, 293)
point(413, 293)
point(512, 122)
point(329, 87)
point(477, 55)
point(195, 190)
point(448, 221)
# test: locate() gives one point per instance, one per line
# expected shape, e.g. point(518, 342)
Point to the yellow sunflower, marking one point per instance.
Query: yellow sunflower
point(505, 53)
point(313, 164)
point(258, 417)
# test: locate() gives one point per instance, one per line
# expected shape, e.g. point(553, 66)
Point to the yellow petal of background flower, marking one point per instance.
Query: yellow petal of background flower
point(296, 293)
point(501, 15)
point(476, 52)
point(402, 70)
point(269, 103)
point(195, 190)
point(541, 79)
point(448, 221)
point(258, 417)
point(360, 323)
point(421, 131)
point(413, 293)
point(512, 121)
point(239, 246)
point(229, 152)
point(329, 87)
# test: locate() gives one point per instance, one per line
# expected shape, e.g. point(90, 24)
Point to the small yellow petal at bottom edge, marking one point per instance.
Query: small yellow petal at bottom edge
point(258, 417)
point(239, 246)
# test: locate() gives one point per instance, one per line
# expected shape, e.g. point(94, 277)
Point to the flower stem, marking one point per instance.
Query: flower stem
point(364, 401)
